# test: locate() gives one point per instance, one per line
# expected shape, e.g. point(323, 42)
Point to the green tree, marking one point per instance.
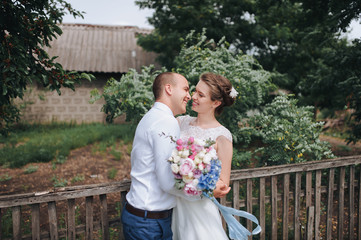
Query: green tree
point(26, 27)
point(174, 19)
point(298, 39)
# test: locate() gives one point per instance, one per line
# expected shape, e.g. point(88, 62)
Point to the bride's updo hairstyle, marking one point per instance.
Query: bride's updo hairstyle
point(220, 89)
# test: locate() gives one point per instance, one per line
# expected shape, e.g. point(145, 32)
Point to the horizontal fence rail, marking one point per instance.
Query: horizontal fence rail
point(311, 200)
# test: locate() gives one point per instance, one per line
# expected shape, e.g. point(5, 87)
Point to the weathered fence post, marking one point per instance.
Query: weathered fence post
point(310, 222)
point(53, 223)
point(104, 216)
point(35, 221)
point(16, 214)
point(286, 199)
point(89, 218)
point(71, 219)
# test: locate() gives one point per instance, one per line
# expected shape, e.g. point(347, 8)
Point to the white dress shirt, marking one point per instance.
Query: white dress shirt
point(151, 175)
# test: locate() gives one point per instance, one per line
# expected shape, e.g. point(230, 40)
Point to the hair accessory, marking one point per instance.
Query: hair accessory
point(233, 93)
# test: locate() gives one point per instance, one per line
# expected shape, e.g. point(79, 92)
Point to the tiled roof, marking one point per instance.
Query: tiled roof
point(96, 48)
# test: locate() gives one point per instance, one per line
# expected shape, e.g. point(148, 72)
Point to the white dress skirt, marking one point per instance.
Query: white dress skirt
point(198, 220)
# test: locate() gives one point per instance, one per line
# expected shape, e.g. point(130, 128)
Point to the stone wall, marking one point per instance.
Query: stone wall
point(69, 106)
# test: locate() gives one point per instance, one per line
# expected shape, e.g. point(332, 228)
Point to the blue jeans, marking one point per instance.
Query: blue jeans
point(140, 228)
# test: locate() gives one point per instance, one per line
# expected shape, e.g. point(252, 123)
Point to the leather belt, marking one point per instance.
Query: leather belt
point(148, 214)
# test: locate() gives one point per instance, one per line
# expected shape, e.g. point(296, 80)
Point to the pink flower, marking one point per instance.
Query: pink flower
point(197, 173)
point(187, 166)
point(191, 190)
point(190, 140)
point(193, 156)
point(179, 142)
point(179, 147)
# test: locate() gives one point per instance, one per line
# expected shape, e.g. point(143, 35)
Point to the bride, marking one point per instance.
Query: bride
point(197, 220)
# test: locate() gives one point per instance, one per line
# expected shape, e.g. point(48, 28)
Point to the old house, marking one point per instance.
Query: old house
point(104, 51)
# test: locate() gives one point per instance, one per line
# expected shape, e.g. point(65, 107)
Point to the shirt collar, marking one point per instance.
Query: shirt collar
point(163, 107)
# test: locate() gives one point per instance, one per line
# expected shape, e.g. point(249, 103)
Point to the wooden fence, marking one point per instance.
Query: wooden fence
point(312, 200)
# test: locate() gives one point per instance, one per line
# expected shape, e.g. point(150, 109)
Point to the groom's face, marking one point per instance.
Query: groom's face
point(180, 96)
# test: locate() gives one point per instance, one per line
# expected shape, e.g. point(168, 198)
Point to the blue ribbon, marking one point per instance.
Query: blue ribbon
point(236, 230)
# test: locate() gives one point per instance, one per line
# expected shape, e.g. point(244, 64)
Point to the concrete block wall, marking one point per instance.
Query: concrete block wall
point(69, 106)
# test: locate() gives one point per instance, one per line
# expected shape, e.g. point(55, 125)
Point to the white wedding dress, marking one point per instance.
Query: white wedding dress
point(198, 220)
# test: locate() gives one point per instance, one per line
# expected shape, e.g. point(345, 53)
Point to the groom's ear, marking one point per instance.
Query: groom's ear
point(168, 89)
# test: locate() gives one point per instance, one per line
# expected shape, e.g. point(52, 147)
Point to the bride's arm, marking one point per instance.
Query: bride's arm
point(225, 152)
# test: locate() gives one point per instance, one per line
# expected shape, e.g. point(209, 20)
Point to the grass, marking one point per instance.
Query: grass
point(44, 143)
point(5, 177)
point(78, 178)
point(59, 182)
point(112, 173)
point(31, 169)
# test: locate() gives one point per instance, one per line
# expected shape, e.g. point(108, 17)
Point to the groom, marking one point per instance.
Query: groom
point(148, 211)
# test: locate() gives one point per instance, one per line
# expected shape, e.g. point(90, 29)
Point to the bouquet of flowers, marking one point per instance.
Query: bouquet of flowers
point(195, 166)
point(196, 169)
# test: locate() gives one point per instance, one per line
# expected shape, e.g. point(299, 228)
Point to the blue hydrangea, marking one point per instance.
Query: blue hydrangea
point(207, 182)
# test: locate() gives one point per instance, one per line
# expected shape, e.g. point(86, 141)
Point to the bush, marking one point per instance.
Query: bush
point(131, 95)
point(287, 133)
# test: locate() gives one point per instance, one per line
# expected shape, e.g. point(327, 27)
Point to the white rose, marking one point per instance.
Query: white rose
point(207, 159)
point(201, 154)
point(190, 174)
point(213, 153)
point(200, 166)
point(176, 159)
point(174, 167)
point(197, 160)
point(185, 153)
point(195, 182)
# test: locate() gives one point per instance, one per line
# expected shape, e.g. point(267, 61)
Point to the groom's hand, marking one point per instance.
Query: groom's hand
point(221, 190)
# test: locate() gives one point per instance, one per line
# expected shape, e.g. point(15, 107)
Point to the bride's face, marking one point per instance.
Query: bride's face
point(202, 99)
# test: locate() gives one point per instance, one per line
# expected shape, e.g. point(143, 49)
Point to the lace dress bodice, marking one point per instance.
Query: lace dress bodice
point(189, 130)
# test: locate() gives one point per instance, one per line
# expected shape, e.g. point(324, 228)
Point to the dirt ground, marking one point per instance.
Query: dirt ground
point(83, 166)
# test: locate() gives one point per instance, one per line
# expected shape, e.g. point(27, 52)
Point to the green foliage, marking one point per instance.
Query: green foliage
point(299, 41)
point(5, 177)
point(288, 133)
point(6, 223)
point(241, 159)
point(116, 153)
point(44, 144)
point(26, 28)
point(78, 178)
point(131, 95)
point(112, 173)
point(31, 169)
point(59, 182)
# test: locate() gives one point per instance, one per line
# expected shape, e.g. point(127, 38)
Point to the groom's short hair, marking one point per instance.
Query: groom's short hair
point(161, 80)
